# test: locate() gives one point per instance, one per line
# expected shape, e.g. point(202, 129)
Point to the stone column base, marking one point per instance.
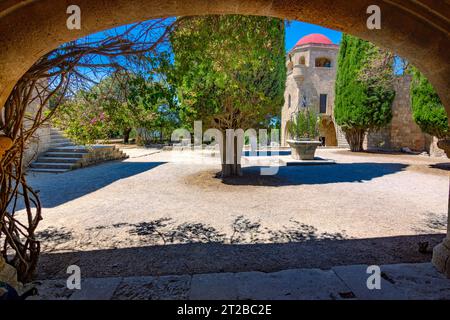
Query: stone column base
point(441, 257)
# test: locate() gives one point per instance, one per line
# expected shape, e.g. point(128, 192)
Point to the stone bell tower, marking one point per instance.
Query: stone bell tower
point(311, 66)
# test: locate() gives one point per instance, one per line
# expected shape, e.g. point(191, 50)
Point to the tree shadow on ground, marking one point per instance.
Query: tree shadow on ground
point(320, 174)
point(195, 247)
point(54, 235)
point(433, 222)
point(441, 166)
point(57, 189)
point(244, 231)
point(191, 258)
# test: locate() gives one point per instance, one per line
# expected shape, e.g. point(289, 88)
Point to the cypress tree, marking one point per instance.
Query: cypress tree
point(362, 102)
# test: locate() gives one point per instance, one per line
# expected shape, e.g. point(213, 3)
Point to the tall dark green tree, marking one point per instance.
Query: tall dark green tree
point(230, 73)
point(428, 110)
point(364, 95)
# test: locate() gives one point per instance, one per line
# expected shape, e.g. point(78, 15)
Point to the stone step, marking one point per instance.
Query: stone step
point(78, 155)
point(69, 149)
point(64, 155)
point(61, 140)
point(56, 135)
point(62, 144)
point(41, 170)
point(46, 159)
point(53, 165)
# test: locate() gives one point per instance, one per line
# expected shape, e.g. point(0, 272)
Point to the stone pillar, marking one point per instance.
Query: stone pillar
point(441, 253)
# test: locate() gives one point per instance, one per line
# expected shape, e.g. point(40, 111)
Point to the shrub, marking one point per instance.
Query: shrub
point(428, 110)
point(304, 125)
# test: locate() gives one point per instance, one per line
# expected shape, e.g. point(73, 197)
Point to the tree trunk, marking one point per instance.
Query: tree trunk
point(232, 168)
point(126, 135)
point(355, 138)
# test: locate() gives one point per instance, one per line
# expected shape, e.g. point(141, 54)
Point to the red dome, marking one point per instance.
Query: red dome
point(315, 38)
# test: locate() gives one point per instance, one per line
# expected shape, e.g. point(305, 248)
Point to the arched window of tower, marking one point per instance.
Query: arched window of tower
point(302, 60)
point(323, 62)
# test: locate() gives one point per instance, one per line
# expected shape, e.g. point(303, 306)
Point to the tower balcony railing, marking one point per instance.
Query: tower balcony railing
point(299, 72)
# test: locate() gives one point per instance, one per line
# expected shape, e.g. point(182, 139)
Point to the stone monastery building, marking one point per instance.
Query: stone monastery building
point(311, 75)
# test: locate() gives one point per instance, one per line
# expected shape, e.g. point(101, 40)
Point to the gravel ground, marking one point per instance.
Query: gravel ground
point(166, 213)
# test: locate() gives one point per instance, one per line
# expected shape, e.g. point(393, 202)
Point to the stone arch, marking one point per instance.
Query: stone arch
point(418, 32)
point(327, 130)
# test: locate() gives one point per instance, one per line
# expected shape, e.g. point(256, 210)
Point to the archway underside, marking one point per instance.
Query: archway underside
point(418, 31)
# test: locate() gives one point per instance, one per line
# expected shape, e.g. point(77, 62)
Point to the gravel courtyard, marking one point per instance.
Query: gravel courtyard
point(160, 212)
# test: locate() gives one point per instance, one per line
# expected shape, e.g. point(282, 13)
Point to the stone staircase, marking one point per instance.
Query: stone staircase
point(64, 155)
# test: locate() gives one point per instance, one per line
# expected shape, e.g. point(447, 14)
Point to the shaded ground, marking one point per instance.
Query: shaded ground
point(218, 257)
point(156, 214)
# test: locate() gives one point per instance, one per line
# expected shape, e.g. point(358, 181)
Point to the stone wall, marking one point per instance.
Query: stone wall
point(402, 132)
point(378, 139)
point(40, 142)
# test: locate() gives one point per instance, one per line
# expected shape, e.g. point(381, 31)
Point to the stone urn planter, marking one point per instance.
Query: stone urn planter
point(303, 149)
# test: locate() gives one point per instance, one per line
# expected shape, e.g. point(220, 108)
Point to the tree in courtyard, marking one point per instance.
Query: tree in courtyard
point(118, 104)
point(364, 90)
point(428, 110)
point(230, 73)
point(157, 99)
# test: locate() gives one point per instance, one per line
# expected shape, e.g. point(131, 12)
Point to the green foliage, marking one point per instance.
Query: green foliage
point(82, 121)
point(363, 98)
point(115, 106)
point(229, 70)
point(157, 99)
point(428, 110)
point(305, 125)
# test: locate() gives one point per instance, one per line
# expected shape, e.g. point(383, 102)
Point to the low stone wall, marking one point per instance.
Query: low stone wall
point(101, 153)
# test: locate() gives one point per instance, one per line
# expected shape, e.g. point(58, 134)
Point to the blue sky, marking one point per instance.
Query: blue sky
point(296, 30)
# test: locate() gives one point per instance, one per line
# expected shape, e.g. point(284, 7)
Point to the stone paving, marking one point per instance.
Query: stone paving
point(398, 281)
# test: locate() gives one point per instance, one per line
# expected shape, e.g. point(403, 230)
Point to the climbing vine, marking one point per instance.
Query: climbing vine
point(50, 81)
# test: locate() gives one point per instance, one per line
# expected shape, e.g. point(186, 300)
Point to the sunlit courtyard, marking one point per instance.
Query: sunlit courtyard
point(166, 212)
